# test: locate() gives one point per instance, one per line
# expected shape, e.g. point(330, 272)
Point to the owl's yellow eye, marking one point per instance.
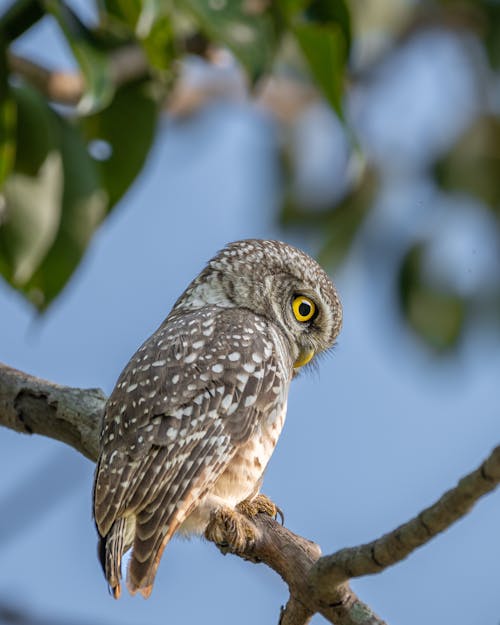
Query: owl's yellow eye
point(303, 308)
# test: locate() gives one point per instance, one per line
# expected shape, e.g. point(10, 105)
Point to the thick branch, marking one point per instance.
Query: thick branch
point(293, 558)
point(317, 584)
point(294, 613)
point(34, 406)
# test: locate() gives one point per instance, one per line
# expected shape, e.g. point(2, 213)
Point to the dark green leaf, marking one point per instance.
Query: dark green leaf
point(7, 136)
point(35, 130)
point(323, 32)
point(19, 17)
point(126, 130)
point(32, 192)
point(7, 121)
point(325, 50)
point(484, 17)
point(84, 206)
point(346, 219)
point(157, 40)
point(473, 165)
point(126, 12)
point(328, 13)
point(33, 211)
point(58, 194)
point(93, 61)
point(291, 8)
point(148, 22)
point(250, 33)
point(436, 315)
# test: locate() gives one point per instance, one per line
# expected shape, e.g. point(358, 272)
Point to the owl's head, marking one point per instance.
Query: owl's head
point(277, 281)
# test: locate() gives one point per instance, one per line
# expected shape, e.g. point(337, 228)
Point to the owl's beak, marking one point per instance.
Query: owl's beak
point(304, 357)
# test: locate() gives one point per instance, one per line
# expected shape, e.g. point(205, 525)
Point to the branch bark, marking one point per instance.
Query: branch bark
point(284, 98)
point(316, 584)
point(394, 546)
point(126, 64)
point(31, 405)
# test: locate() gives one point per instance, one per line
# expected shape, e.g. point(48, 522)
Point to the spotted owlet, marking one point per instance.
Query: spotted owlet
point(195, 415)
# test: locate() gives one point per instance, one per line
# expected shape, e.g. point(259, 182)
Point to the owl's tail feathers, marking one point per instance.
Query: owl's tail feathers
point(111, 548)
point(150, 541)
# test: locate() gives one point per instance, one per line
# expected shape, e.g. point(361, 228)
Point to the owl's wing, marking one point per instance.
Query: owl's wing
point(192, 394)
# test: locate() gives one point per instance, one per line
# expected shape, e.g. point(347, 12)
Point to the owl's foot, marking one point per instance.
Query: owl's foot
point(230, 531)
point(260, 504)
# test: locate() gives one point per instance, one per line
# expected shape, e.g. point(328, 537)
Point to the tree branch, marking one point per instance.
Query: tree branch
point(293, 558)
point(317, 584)
point(126, 64)
point(31, 405)
point(285, 98)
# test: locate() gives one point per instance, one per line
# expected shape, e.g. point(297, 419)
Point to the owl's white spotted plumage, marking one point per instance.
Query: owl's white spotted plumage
point(196, 413)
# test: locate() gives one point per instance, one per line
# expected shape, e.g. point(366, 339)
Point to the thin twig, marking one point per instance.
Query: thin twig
point(394, 546)
point(283, 97)
point(65, 87)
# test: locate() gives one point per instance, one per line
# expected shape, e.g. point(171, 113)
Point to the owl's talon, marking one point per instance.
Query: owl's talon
point(261, 504)
point(280, 514)
point(230, 531)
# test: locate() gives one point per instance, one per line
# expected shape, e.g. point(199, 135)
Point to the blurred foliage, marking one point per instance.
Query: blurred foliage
point(63, 168)
point(473, 166)
point(434, 314)
point(63, 171)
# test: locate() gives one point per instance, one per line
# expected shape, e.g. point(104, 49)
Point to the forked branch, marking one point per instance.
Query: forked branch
point(316, 584)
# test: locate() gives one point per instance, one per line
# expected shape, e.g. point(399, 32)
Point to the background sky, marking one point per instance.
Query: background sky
point(379, 433)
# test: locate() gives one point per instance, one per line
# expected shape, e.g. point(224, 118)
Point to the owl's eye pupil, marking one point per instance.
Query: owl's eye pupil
point(304, 309)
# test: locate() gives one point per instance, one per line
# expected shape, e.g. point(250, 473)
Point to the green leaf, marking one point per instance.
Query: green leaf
point(92, 60)
point(126, 12)
point(31, 193)
point(19, 17)
point(7, 121)
point(436, 315)
point(328, 13)
point(58, 194)
point(7, 136)
point(325, 50)
point(291, 8)
point(322, 29)
point(127, 140)
point(250, 33)
point(473, 164)
point(35, 130)
point(53, 202)
point(157, 39)
point(84, 205)
point(33, 212)
point(346, 219)
point(485, 15)
point(147, 21)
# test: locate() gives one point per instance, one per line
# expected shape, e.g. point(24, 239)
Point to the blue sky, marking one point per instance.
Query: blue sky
point(379, 433)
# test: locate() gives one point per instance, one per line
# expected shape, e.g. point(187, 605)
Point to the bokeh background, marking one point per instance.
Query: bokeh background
point(401, 409)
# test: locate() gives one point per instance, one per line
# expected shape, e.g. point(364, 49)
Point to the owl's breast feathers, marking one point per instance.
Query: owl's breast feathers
point(199, 402)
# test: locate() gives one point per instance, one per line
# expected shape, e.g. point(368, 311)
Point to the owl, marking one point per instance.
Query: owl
point(195, 415)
